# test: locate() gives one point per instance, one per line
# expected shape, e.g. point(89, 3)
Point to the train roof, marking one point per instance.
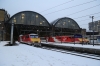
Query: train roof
point(29, 34)
point(33, 34)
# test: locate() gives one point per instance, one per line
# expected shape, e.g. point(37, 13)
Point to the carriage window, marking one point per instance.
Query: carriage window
point(34, 36)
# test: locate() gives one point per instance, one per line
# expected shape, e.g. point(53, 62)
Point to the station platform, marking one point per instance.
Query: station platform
point(86, 48)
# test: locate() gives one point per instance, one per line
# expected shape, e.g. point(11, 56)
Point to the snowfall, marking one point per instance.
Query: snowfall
point(25, 55)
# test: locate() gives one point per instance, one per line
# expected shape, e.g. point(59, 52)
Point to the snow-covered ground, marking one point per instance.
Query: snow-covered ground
point(24, 55)
point(74, 45)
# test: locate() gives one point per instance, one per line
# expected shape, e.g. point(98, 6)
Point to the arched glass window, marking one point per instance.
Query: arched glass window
point(30, 18)
point(66, 23)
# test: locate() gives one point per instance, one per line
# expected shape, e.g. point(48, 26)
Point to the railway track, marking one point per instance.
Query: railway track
point(86, 55)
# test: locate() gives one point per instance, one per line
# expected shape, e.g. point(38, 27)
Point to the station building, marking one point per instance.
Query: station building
point(4, 16)
point(94, 26)
point(26, 22)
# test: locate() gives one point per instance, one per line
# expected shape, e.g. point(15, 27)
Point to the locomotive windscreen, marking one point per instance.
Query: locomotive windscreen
point(34, 36)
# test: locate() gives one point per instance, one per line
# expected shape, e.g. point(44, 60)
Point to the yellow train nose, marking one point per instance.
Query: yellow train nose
point(37, 40)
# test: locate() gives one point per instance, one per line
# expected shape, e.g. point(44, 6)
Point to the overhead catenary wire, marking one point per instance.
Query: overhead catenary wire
point(83, 24)
point(71, 7)
point(79, 11)
point(58, 5)
point(87, 19)
point(84, 9)
point(86, 15)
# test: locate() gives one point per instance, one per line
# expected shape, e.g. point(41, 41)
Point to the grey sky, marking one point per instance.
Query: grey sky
point(64, 9)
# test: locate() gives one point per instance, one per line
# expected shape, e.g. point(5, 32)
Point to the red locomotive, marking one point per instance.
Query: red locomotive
point(68, 39)
point(31, 39)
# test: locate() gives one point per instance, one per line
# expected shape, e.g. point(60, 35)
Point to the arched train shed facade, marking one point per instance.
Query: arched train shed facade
point(65, 26)
point(26, 22)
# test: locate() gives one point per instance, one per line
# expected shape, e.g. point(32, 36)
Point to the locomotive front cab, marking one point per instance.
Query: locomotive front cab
point(35, 40)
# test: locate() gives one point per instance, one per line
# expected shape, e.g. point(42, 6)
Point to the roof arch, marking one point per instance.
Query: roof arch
point(65, 22)
point(29, 18)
